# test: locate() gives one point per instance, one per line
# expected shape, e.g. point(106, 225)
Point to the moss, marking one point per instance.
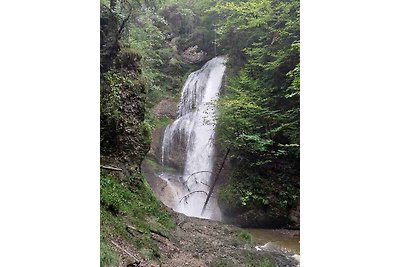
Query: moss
point(152, 164)
point(157, 168)
point(124, 204)
point(163, 121)
point(156, 122)
point(146, 133)
point(245, 237)
point(122, 110)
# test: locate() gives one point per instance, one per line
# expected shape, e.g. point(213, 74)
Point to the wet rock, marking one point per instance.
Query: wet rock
point(166, 107)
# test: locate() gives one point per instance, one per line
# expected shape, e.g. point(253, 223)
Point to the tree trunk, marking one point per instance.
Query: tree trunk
point(215, 182)
point(113, 5)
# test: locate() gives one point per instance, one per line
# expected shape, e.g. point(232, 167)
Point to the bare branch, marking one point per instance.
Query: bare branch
point(205, 184)
point(193, 192)
point(123, 250)
point(122, 27)
point(215, 181)
point(187, 179)
point(110, 168)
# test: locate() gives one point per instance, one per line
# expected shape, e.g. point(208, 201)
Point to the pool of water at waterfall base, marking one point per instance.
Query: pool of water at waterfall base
point(286, 239)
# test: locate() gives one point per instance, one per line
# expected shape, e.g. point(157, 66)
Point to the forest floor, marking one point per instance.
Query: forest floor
point(200, 242)
point(138, 230)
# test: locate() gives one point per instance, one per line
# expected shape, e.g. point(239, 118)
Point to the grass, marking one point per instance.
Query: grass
point(245, 237)
point(130, 204)
point(108, 256)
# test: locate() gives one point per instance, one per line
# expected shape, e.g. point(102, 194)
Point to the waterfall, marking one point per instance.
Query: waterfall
point(190, 138)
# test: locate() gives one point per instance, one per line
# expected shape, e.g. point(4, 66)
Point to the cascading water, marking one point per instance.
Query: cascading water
point(192, 134)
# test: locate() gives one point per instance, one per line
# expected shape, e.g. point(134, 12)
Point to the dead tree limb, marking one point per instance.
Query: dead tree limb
point(193, 192)
point(205, 184)
point(131, 228)
point(123, 250)
point(187, 179)
point(110, 168)
point(215, 181)
point(159, 233)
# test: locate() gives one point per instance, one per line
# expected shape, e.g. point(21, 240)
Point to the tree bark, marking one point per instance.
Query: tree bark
point(113, 5)
point(215, 181)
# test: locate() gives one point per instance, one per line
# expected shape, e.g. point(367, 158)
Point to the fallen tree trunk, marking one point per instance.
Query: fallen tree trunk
point(215, 181)
point(110, 168)
point(130, 228)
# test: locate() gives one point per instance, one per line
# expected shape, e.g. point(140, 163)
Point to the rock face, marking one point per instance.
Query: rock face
point(124, 137)
point(176, 158)
point(166, 107)
point(155, 148)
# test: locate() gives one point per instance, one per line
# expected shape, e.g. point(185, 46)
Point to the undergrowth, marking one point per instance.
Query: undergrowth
point(131, 204)
point(108, 256)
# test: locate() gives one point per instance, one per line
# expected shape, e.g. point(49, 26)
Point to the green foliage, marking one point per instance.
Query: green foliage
point(247, 191)
point(259, 116)
point(108, 256)
point(113, 83)
point(230, 197)
point(135, 65)
point(119, 198)
point(245, 237)
point(131, 203)
point(146, 132)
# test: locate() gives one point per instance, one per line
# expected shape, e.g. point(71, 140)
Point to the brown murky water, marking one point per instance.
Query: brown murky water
point(287, 239)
